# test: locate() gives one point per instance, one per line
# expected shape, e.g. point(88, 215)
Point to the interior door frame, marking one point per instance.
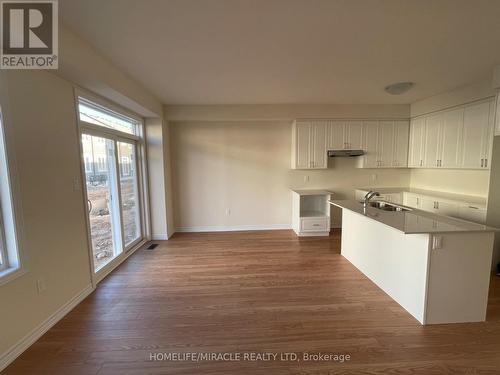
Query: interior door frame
point(141, 170)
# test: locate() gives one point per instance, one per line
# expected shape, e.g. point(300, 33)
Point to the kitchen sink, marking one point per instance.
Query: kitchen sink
point(388, 206)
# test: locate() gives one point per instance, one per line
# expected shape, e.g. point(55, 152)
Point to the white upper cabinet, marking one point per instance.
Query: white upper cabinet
point(451, 138)
point(354, 135)
point(432, 138)
point(319, 156)
point(401, 136)
point(309, 145)
point(336, 138)
point(458, 138)
point(386, 143)
point(477, 130)
point(417, 143)
point(345, 135)
point(370, 145)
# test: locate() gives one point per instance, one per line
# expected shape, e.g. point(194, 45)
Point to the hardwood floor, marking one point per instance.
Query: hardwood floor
point(254, 292)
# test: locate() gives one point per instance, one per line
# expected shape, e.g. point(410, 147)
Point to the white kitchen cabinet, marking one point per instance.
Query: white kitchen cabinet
point(472, 213)
point(345, 135)
point(370, 145)
point(401, 136)
point(309, 145)
point(336, 139)
point(385, 144)
point(319, 157)
point(411, 200)
point(451, 138)
point(311, 212)
point(417, 143)
point(432, 136)
point(354, 135)
point(477, 136)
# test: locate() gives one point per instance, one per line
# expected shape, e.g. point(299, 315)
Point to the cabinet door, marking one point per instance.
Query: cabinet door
point(472, 213)
point(447, 208)
point(489, 136)
point(386, 143)
point(451, 138)
point(401, 130)
point(370, 144)
point(336, 138)
point(428, 204)
point(416, 147)
point(354, 135)
point(303, 145)
point(411, 200)
point(432, 134)
point(318, 145)
point(476, 121)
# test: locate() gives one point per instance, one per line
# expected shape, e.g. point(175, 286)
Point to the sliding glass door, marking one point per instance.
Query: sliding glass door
point(112, 170)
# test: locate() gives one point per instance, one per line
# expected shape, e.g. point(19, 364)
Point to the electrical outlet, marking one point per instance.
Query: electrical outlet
point(40, 286)
point(374, 178)
point(306, 179)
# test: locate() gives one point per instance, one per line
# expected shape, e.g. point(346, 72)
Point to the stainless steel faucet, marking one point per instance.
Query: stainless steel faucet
point(369, 196)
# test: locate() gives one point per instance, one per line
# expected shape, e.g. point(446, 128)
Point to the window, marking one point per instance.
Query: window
point(125, 166)
point(88, 163)
point(114, 184)
point(9, 259)
point(101, 161)
point(97, 115)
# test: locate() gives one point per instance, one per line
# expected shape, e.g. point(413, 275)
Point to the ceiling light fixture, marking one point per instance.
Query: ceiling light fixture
point(399, 88)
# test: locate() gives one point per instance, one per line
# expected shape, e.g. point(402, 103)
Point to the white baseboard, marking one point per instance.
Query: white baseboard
point(159, 237)
point(16, 350)
point(233, 228)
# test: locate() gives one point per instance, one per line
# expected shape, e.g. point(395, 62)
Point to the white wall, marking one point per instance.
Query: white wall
point(39, 110)
point(244, 166)
point(466, 182)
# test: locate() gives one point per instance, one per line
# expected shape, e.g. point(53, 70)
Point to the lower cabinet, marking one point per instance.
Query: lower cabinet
point(472, 213)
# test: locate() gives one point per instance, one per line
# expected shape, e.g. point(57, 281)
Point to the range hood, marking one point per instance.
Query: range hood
point(344, 153)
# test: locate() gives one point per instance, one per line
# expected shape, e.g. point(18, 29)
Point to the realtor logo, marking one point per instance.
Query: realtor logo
point(29, 35)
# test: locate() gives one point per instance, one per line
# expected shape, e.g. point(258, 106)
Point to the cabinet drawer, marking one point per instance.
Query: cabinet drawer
point(314, 224)
point(473, 213)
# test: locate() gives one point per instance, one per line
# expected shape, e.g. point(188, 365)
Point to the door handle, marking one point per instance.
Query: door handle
point(89, 203)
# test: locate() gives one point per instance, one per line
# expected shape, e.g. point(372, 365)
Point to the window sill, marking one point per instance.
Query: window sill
point(10, 274)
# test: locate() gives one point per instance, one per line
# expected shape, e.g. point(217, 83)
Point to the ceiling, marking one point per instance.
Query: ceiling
point(292, 51)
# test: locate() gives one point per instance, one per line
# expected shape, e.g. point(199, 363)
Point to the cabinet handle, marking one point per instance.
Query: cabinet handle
point(486, 163)
point(421, 162)
point(418, 201)
point(482, 163)
point(474, 208)
point(437, 163)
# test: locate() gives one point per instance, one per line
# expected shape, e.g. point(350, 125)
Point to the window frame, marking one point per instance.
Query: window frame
point(4, 258)
point(15, 260)
point(139, 140)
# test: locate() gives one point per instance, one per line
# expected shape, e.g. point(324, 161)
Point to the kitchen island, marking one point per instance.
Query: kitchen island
point(435, 267)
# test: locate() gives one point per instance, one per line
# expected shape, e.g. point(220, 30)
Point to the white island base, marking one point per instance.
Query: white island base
point(436, 277)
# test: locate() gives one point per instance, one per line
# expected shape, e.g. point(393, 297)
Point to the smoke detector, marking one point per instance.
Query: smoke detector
point(399, 88)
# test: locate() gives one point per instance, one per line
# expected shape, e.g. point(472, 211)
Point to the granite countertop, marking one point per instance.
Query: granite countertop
point(467, 199)
point(414, 221)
